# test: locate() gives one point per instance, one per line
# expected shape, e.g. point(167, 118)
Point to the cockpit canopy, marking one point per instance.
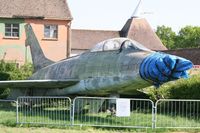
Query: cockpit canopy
point(118, 43)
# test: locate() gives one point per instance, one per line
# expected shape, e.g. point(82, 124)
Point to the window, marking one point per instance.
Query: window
point(12, 30)
point(118, 44)
point(97, 47)
point(131, 44)
point(111, 45)
point(50, 31)
point(127, 44)
point(107, 45)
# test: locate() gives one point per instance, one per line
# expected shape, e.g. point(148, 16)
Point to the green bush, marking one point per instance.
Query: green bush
point(11, 71)
point(179, 89)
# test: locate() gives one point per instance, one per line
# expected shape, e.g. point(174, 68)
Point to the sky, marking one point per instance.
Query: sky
point(112, 14)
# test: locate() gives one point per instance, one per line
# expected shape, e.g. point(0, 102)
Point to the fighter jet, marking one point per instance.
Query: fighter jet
point(114, 66)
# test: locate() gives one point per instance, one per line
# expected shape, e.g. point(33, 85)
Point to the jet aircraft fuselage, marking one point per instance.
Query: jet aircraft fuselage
point(110, 67)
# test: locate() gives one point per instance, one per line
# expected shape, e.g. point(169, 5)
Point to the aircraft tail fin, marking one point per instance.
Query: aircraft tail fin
point(38, 57)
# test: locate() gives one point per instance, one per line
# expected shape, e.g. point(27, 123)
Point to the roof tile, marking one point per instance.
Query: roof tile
point(86, 39)
point(48, 9)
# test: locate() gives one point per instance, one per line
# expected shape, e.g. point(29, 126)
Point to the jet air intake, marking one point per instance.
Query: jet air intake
point(158, 68)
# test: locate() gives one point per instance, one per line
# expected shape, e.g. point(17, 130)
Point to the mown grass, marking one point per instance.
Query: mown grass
point(8, 114)
point(136, 119)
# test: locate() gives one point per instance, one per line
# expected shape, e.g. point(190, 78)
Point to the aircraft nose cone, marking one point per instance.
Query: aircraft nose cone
point(159, 68)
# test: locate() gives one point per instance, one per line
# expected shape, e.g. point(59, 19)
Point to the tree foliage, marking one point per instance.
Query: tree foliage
point(187, 37)
point(11, 71)
point(166, 35)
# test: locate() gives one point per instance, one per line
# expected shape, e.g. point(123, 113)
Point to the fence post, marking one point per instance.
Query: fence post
point(17, 113)
point(73, 108)
point(71, 112)
point(154, 116)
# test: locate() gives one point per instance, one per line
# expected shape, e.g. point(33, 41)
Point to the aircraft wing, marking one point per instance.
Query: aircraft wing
point(38, 84)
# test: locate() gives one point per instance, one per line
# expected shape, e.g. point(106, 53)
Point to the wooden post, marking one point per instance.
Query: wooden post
point(68, 47)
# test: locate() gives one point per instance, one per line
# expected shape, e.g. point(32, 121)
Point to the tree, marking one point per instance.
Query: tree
point(188, 37)
point(166, 35)
point(10, 71)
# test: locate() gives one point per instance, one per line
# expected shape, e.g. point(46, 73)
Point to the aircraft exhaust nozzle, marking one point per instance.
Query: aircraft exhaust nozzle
point(159, 68)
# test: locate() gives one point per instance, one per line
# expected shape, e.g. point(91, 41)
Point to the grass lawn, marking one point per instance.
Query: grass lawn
point(138, 117)
point(5, 129)
point(8, 125)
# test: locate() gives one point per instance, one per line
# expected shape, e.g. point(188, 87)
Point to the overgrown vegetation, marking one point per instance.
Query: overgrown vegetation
point(180, 89)
point(11, 71)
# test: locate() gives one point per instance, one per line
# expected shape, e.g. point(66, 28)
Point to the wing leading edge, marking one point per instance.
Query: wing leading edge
point(38, 84)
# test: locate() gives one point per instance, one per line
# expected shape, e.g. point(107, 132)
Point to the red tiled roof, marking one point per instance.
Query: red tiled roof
point(139, 29)
point(48, 9)
point(86, 39)
point(135, 29)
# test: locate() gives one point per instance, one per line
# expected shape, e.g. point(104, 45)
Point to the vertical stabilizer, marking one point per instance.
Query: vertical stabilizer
point(38, 58)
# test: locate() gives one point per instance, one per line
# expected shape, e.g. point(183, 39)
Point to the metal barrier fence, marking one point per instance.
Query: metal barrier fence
point(113, 112)
point(8, 109)
point(173, 113)
point(99, 111)
point(44, 110)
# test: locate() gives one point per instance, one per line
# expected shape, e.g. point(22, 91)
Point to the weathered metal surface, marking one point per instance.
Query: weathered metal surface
point(38, 58)
point(39, 84)
point(100, 72)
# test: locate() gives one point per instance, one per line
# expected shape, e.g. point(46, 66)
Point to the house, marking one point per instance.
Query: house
point(50, 19)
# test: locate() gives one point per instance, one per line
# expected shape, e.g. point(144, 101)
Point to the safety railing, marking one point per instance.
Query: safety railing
point(174, 113)
point(101, 111)
point(44, 110)
point(112, 112)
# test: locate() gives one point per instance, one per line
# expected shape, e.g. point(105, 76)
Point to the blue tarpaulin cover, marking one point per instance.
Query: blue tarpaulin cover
point(159, 68)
